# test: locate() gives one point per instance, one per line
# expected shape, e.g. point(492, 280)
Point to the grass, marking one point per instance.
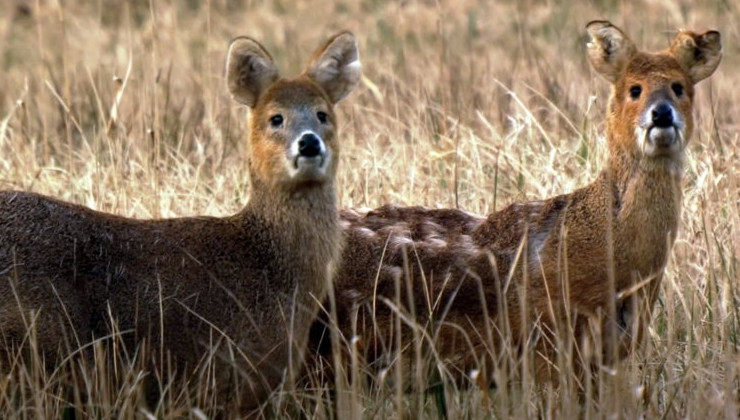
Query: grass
point(473, 104)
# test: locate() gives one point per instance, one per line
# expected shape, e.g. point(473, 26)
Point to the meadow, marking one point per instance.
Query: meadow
point(473, 104)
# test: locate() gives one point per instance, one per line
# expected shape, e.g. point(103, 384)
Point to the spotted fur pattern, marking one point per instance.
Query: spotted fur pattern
point(463, 290)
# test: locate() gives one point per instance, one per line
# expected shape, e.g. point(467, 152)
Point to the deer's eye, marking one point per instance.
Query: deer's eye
point(322, 117)
point(635, 91)
point(276, 120)
point(677, 88)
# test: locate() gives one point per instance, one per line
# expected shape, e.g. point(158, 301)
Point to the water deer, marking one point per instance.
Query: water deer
point(230, 297)
point(587, 264)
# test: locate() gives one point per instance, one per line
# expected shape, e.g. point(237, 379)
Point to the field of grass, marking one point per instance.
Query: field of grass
point(122, 106)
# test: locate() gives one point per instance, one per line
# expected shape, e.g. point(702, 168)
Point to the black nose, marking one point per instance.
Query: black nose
point(309, 145)
point(663, 115)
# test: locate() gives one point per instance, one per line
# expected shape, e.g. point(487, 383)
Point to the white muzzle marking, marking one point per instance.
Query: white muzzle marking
point(308, 167)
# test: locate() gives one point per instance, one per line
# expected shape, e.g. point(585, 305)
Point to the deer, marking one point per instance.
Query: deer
point(233, 296)
point(588, 263)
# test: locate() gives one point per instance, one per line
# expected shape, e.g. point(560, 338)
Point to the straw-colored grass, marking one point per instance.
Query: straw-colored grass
point(122, 106)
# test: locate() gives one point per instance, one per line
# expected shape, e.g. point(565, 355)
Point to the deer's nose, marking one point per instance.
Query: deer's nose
point(309, 145)
point(663, 115)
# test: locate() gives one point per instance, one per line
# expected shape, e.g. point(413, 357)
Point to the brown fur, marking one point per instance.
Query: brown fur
point(591, 260)
point(242, 288)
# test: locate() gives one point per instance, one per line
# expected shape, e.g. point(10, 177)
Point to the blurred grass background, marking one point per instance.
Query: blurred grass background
point(122, 106)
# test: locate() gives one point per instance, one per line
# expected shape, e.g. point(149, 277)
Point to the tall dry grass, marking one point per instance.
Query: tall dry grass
point(121, 106)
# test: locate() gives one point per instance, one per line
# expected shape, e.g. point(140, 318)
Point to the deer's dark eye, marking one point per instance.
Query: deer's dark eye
point(635, 91)
point(677, 88)
point(322, 116)
point(276, 120)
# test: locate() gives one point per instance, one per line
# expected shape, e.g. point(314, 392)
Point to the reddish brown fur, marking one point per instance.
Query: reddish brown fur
point(242, 288)
point(524, 274)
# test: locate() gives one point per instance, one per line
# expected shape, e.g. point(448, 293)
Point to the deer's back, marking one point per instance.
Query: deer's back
point(199, 272)
point(447, 270)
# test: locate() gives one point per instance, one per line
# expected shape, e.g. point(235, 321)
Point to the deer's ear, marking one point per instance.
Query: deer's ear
point(336, 66)
point(698, 54)
point(249, 70)
point(609, 49)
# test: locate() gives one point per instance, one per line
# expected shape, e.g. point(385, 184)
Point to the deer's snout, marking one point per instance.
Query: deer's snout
point(309, 145)
point(660, 131)
point(662, 114)
point(308, 157)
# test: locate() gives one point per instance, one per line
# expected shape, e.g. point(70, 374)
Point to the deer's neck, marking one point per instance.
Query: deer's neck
point(645, 185)
point(303, 225)
point(646, 207)
point(309, 212)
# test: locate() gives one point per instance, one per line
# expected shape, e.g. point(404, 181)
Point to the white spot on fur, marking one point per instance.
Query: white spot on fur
point(359, 212)
point(435, 242)
point(367, 233)
point(467, 241)
point(400, 226)
point(399, 241)
point(471, 248)
point(399, 229)
point(434, 226)
point(393, 271)
point(352, 294)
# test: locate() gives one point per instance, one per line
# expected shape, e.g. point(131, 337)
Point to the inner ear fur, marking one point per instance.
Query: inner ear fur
point(250, 69)
point(336, 66)
point(609, 49)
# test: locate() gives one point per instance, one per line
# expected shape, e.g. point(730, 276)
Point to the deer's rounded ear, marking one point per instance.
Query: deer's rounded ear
point(336, 66)
point(249, 70)
point(609, 49)
point(698, 54)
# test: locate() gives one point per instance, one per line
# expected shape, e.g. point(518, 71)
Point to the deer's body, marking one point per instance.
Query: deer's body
point(234, 295)
point(591, 260)
point(174, 270)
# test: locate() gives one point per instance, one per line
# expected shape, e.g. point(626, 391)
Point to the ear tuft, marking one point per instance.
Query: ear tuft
point(609, 49)
point(336, 66)
point(249, 70)
point(699, 54)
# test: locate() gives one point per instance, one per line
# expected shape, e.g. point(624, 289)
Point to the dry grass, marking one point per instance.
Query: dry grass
point(121, 106)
